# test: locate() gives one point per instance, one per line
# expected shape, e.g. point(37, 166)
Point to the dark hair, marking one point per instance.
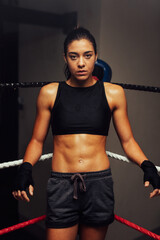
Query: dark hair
point(77, 34)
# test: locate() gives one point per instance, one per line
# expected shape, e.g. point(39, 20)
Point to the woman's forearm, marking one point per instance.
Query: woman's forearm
point(33, 151)
point(133, 151)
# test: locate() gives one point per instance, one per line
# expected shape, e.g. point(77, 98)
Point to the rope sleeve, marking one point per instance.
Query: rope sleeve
point(136, 227)
point(119, 219)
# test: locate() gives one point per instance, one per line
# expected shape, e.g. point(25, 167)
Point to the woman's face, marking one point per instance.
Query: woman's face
point(81, 59)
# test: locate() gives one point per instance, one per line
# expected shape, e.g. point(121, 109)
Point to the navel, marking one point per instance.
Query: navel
point(81, 160)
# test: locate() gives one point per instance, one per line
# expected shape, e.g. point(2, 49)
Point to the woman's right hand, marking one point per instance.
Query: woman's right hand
point(23, 181)
point(22, 195)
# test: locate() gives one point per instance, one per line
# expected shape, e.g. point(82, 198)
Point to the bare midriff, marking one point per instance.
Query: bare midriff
point(79, 153)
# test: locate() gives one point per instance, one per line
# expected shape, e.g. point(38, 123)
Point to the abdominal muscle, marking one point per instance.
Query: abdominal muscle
point(79, 153)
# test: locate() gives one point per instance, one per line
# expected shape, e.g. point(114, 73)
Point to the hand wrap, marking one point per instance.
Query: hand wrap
point(150, 174)
point(24, 177)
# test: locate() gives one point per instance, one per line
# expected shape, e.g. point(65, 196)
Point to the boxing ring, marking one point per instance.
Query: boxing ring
point(49, 155)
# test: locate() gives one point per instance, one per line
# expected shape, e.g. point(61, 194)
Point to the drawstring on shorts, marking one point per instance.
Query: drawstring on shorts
point(78, 178)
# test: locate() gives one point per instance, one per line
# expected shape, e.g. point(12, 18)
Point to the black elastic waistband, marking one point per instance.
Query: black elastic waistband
point(89, 175)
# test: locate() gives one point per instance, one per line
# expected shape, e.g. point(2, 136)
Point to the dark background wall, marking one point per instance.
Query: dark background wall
point(8, 121)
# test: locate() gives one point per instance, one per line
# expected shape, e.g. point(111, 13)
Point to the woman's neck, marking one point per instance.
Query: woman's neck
point(81, 83)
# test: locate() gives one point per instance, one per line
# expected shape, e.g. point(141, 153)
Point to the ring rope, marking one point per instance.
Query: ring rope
point(119, 219)
point(22, 225)
point(41, 84)
point(19, 162)
point(136, 227)
point(49, 155)
point(139, 87)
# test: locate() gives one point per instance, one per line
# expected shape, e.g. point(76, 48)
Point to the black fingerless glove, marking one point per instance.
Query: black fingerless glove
point(24, 177)
point(150, 174)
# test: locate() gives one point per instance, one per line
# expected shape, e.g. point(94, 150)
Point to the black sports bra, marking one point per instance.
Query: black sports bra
point(80, 110)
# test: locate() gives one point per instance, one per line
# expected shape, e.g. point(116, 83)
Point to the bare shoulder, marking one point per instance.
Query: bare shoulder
point(113, 89)
point(47, 94)
point(49, 89)
point(115, 94)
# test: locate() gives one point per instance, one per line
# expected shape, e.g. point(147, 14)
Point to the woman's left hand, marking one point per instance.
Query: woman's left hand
point(151, 177)
point(155, 192)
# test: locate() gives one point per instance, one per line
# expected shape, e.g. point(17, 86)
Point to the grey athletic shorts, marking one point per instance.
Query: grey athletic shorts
point(85, 198)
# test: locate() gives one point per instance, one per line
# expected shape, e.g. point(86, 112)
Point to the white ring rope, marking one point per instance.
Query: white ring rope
point(49, 155)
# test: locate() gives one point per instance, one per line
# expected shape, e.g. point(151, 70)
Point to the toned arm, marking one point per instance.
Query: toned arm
point(34, 149)
point(33, 152)
point(45, 103)
point(123, 128)
point(118, 104)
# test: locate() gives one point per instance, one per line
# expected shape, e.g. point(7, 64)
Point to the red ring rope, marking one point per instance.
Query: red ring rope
point(138, 228)
point(119, 219)
point(22, 225)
